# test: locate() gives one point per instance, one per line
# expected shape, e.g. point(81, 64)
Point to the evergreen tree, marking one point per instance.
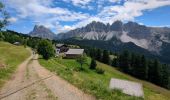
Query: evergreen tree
point(136, 66)
point(105, 57)
point(115, 62)
point(132, 63)
point(158, 72)
point(125, 61)
point(144, 68)
point(98, 55)
point(150, 71)
point(155, 72)
point(165, 82)
point(141, 68)
point(93, 64)
point(92, 53)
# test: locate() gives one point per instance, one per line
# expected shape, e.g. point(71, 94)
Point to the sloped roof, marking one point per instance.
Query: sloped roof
point(59, 45)
point(16, 43)
point(75, 51)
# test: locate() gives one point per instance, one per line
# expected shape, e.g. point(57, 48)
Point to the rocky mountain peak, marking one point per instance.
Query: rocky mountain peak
point(141, 35)
point(116, 26)
point(42, 31)
point(96, 27)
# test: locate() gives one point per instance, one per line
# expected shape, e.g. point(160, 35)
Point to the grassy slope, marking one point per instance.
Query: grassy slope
point(11, 56)
point(96, 84)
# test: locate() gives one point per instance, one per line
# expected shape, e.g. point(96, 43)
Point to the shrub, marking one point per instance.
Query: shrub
point(46, 49)
point(100, 70)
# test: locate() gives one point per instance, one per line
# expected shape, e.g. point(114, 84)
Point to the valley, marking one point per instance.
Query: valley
point(84, 50)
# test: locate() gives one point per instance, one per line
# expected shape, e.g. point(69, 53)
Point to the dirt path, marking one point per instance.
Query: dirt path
point(33, 82)
point(25, 85)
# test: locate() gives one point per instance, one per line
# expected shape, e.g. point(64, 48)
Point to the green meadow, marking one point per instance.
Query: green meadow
point(98, 84)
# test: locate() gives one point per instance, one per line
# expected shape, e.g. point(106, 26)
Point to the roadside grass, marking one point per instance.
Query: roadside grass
point(11, 56)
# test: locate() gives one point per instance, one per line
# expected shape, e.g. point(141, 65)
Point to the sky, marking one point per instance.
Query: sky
point(65, 15)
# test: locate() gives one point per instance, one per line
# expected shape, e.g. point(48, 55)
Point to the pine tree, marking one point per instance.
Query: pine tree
point(150, 71)
point(93, 64)
point(158, 72)
point(155, 74)
point(132, 64)
point(125, 61)
point(165, 82)
point(115, 62)
point(142, 68)
point(92, 53)
point(105, 57)
point(137, 68)
point(98, 55)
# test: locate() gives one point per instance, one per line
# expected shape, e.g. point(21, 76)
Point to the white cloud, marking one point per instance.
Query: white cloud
point(44, 12)
point(79, 2)
point(85, 4)
point(36, 8)
point(130, 9)
point(115, 1)
point(12, 19)
point(126, 12)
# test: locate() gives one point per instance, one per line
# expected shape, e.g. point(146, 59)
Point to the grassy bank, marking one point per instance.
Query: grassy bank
point(10, 57)
point(97, 84)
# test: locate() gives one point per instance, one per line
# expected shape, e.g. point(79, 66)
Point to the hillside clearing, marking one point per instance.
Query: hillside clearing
point(96, 84)
point(10, 57)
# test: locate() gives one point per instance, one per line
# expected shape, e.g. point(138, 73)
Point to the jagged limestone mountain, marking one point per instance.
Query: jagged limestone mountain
point(42, 32)
point(150, 38)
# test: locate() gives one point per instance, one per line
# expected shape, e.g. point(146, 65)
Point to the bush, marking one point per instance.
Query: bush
point(100, 70)
point(46, 49)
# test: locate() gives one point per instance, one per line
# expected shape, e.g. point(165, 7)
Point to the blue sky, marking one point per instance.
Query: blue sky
point(64, 15)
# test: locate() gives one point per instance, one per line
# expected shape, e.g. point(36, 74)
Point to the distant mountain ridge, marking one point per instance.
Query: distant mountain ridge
point(150, 38)
point(42, 32)
point(152, 41)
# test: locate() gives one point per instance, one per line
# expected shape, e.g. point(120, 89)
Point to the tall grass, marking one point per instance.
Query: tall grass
point(11, 56)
